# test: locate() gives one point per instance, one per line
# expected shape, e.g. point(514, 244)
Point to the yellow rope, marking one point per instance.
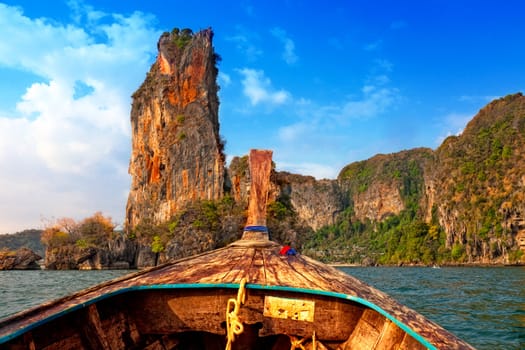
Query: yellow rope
point(297, 343)
point(233, 324)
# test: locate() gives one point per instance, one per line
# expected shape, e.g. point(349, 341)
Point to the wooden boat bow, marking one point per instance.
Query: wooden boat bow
point(286, 298)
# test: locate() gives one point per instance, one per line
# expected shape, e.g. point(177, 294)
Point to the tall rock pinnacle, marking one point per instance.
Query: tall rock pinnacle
point(177, 155)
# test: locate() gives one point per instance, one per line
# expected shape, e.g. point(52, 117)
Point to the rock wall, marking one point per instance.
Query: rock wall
point(177, 158)
point(117, 253)
point(377, 202)
point(177, 155)
point(385, 184)
point(316, 202)
point(21, 259)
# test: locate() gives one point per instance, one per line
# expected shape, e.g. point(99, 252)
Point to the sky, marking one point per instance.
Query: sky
point(322, 84)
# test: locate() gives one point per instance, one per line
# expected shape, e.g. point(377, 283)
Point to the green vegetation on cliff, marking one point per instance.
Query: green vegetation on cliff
point(481, 176)
point(205, 225)
point(200, 226)
point(393, 237)
point(399, 239)
point(463, 203)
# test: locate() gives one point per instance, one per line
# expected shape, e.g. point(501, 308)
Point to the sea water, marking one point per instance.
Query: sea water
point(484, 306)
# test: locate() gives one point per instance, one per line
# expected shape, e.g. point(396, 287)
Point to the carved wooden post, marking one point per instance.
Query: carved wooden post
point(260, 168)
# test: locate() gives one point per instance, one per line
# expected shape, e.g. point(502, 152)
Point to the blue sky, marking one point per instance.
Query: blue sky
point(323, 84)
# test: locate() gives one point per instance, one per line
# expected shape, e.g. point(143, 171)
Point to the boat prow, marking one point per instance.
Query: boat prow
point(252, 294)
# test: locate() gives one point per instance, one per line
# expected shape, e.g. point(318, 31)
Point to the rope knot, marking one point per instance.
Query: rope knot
point(234, 325)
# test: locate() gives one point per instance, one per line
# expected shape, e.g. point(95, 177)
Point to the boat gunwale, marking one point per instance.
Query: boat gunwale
point(253, 286)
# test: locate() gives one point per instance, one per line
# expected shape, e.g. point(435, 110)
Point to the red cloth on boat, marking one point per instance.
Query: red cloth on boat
point(285, 249)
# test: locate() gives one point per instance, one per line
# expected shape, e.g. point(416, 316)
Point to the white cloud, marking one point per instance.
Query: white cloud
point(259, 89)
point(375, 100)
point(453, 124)
point(317, 135)
point(224, 79)
point(64, 151)
point(288, 54)
point(477, 99)
point(71, 135)
point(291, 133)
point(374, 46)
point(319, 171)
point(244, 42)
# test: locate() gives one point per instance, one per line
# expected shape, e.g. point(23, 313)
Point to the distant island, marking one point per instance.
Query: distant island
point(463, 203)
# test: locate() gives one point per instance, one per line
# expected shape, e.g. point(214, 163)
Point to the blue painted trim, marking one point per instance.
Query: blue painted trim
point(256, 228)
point(358, 300)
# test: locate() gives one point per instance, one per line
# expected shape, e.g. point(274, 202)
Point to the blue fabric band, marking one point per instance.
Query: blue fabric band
point(256, 228)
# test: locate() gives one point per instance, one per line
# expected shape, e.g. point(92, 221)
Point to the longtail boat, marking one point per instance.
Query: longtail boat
point(252, 294)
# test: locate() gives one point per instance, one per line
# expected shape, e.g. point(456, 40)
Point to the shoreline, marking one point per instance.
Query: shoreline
point(431, 266)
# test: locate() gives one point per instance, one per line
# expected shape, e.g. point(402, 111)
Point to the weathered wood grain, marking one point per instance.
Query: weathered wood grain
point(260, 167)
point(260, 265)
point(164, 305)
point(92, 329)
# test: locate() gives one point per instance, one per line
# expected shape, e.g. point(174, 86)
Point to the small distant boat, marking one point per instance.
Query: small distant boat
point(252, 294)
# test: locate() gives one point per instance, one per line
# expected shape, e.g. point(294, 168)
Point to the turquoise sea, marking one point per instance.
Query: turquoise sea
point(485, 306)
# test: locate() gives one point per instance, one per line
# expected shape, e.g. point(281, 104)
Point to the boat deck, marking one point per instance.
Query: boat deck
point(260, 265)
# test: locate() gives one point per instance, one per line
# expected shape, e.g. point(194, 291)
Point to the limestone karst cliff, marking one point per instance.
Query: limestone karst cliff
point(477, 188)
point(464, 199)
point(462, 202)
point(316, 202)
point(177, 155)
point(386, 184)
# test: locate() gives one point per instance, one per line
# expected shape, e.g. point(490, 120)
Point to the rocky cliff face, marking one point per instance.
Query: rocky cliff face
point(472, 185)
point(176, 148)
point(477, 187)
point(117, 253)
point(21, 259)
point(316, 203)
point(386, 184)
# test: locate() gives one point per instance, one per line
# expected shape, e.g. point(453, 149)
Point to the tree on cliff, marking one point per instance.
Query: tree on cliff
point(91, 231)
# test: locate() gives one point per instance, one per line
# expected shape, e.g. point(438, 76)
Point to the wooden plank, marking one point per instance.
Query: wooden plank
point(260, 168)
point(67, 343)
point(28, 341)
point(390, 338)
point(157, 345)
point(333, 319)
point(120, 331)
point(366, 332)
point(166, 312)
point(288, 308)
point(92, 331)
point(410, 343)
point(257, 268)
